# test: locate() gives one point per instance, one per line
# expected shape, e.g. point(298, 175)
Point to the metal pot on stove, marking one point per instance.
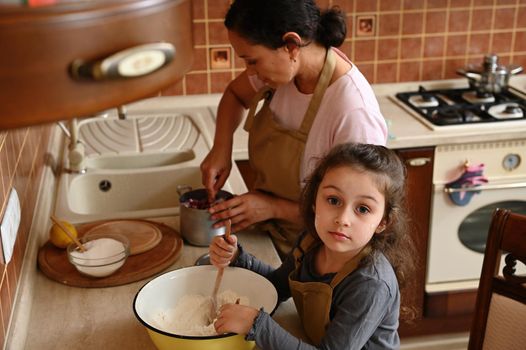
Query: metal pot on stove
point(196, 225)
point(490, 77)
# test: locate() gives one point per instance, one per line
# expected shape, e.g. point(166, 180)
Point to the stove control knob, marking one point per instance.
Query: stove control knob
point(511, 161)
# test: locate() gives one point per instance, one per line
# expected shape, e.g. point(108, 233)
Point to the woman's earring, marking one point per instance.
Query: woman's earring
point(380, 228)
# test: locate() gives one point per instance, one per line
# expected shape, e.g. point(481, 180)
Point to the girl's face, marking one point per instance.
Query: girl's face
point(349, 210)
point(273, 67)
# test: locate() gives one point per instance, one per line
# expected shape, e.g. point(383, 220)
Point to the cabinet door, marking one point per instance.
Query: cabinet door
point(419, 164)
point(39, 46)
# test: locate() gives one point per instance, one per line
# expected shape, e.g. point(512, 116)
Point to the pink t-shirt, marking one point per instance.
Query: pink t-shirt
point(349, 112)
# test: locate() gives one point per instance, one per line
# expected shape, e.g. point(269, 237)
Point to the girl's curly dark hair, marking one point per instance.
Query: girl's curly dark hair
point(389, 174)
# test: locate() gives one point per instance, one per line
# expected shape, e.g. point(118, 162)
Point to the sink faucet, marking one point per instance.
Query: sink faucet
point(121, 112)
point(75, 148)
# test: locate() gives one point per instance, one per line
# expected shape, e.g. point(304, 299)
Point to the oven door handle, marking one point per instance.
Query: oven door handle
point(485, 187)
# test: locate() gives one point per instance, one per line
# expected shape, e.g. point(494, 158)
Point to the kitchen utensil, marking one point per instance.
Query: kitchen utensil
point(70, 235)
point(196, 226)
point(163, 293)
point(219, 276)
point(105, 254)
point(142, 235)
point(54, 263)
point(490, 77)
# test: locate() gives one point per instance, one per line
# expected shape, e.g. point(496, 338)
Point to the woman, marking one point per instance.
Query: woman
point(314, 98)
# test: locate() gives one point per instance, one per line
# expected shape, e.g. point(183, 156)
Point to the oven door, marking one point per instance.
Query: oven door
point(458, 233)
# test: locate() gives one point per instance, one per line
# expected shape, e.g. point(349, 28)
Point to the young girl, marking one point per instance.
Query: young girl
point(344, 271)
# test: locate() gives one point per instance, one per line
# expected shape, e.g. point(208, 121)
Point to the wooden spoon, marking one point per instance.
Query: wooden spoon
point(66, 231)
point(219, 276)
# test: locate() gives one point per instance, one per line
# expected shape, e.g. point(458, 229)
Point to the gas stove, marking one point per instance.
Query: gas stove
point(463, 106)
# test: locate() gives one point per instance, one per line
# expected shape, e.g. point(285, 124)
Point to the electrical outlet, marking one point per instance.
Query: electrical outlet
point(9, 226)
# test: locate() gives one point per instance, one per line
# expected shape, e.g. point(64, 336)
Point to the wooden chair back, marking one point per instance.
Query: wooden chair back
point(500, 312)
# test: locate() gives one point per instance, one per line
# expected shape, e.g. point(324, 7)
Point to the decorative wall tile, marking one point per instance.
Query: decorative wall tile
point(364, 50)
point(481, 19)
point(504, 18)
point(389, 24)
point(458, 21)
point(21, 162)
point(392, 5)
point(435, 22)
point(434, 46)
point(387, 49)
point(413, 23)
point(439, 30)
point(386, 72)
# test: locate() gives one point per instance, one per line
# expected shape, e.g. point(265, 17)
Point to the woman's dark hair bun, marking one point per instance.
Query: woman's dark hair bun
point(332, 28)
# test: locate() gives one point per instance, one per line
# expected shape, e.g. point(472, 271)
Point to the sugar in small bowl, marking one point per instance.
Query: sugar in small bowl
point(105, 253)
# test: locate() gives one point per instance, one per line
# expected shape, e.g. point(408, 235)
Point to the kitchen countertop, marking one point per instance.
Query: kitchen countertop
point(405, 129)
point(64, 317)
point(103, 318)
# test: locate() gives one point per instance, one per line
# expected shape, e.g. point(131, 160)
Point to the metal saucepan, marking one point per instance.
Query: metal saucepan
point(196, 226)
point(490, 77)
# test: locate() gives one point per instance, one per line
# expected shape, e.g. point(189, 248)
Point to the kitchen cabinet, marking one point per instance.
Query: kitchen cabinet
point(437, 313)
point(40, 44)
point(419, 165)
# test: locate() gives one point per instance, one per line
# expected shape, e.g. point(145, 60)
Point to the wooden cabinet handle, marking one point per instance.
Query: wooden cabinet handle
point(418, 161)
point(130, 63)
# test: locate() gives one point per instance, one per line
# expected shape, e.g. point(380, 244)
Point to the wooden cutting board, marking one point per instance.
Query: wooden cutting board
point(143, 235)
point(54, 263)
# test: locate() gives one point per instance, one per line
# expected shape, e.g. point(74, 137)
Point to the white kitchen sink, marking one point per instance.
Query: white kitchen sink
point(139, 160)
point(134, 166)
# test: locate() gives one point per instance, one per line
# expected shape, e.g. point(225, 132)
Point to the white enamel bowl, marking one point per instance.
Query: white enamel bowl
point(164, 291)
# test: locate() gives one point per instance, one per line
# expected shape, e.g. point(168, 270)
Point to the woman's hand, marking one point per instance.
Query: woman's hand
point(223, 250)
point(244, 210)
point(235, 318)
point(215, 169)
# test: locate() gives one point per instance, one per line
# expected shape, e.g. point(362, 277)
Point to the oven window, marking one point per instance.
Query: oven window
point(473, 230)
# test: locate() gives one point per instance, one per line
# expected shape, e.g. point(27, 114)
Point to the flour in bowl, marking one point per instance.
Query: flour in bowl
point(190, 314)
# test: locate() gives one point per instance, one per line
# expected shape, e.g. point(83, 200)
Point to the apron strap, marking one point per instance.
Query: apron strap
point(305, 245)
point(350, 266)
point(265, 92)
point(319, 91)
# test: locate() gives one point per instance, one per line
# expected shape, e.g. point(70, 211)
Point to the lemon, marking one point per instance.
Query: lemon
point(58, 237)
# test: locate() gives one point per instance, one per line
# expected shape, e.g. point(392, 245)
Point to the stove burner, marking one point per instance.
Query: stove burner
point(484, 94)
point(464, 106)
point(506, 111)
point(476, 97)
point(512, 109)
point(451, 115)
point(423, 100)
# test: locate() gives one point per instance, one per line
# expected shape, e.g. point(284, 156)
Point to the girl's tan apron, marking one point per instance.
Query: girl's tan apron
point(313, 299)
point(276, 153)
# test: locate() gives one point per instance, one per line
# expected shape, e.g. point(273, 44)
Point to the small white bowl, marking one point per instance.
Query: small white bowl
point(163, 293)
point(106, 253)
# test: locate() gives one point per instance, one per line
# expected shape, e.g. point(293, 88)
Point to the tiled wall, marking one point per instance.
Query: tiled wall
point(412, 39)
point(22, 156)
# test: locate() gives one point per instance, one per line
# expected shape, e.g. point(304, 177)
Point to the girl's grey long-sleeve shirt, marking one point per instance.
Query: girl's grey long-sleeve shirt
point(364, 311)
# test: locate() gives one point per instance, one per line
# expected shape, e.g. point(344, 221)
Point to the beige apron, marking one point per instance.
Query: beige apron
point(313, 299)
point(276, 153)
